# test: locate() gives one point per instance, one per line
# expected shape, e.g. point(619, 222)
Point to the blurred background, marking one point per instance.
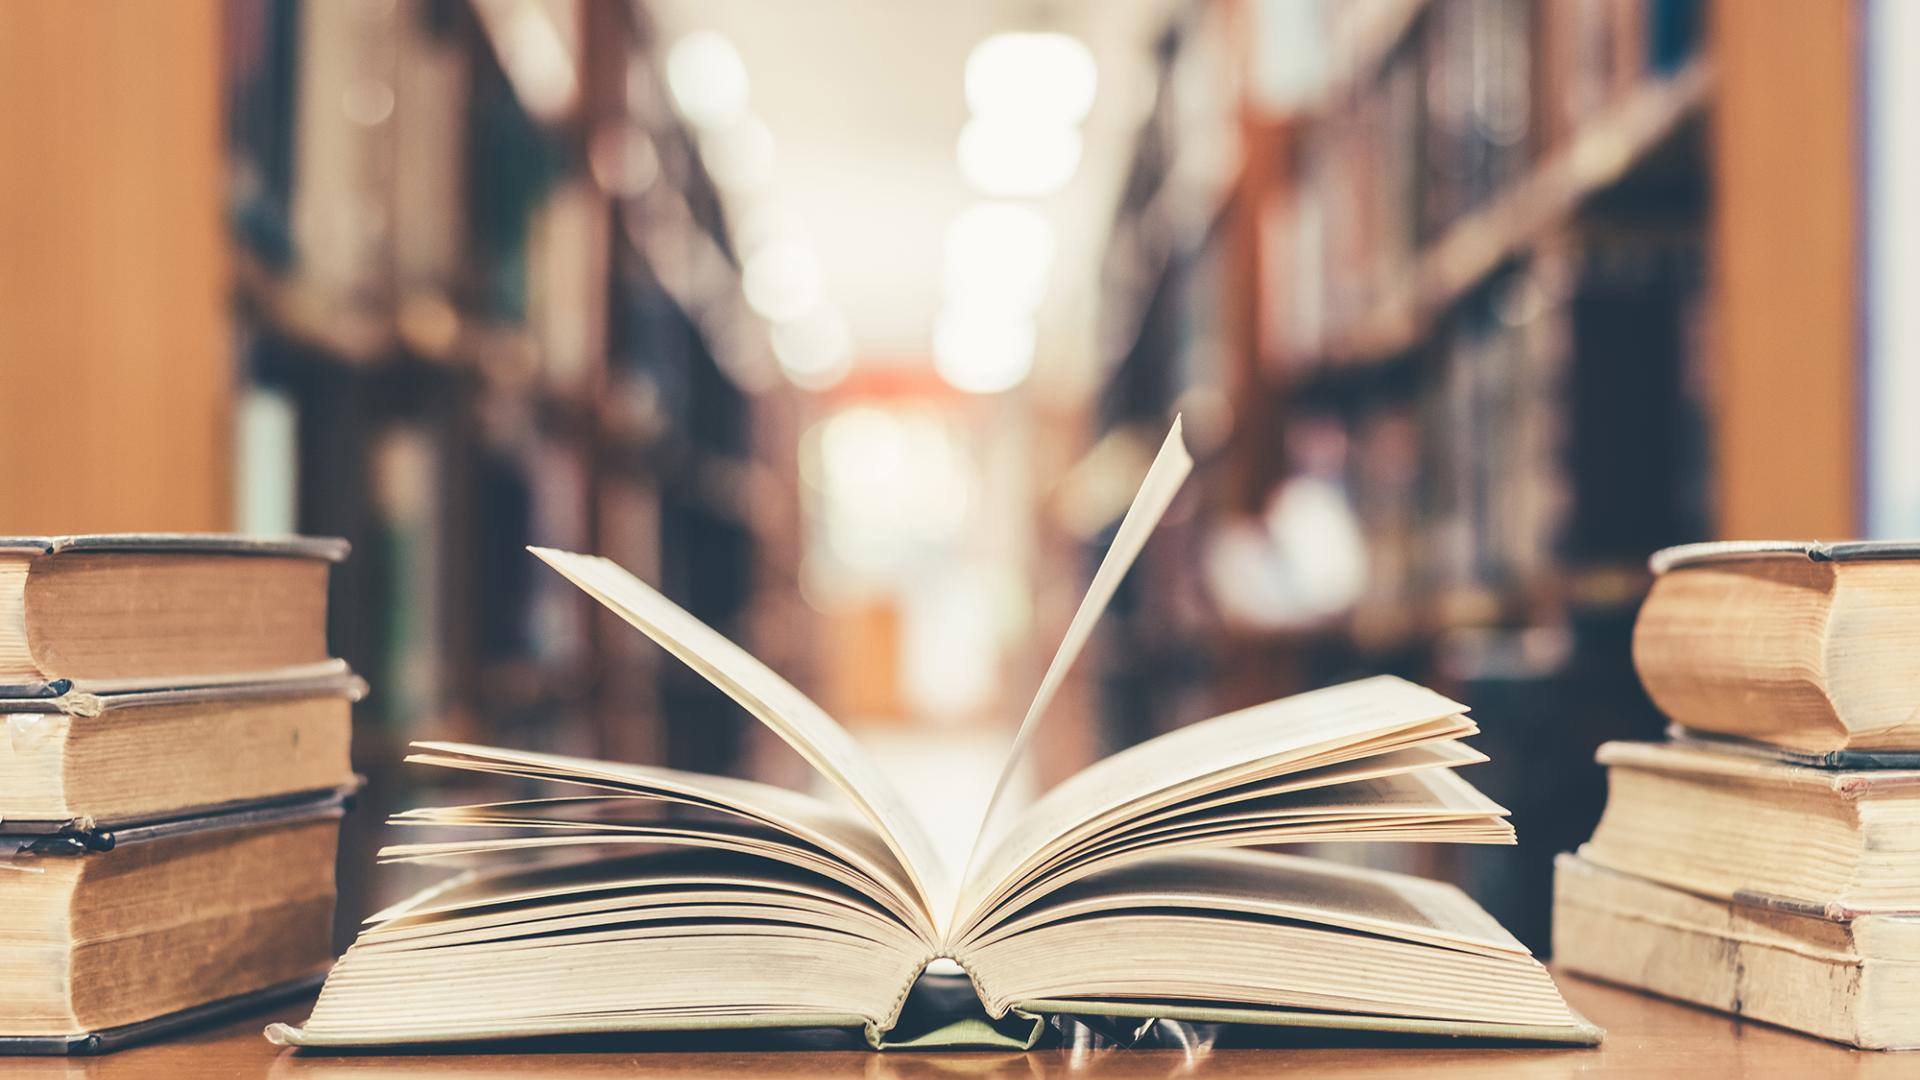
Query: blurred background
point(852, 324)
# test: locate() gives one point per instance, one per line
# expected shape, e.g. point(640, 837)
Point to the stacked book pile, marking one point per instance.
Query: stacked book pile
point(173, 760)
point(1765, 860)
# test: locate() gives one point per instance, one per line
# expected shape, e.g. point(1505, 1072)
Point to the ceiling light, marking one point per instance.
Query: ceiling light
point(740, 156)
point(766, 219)
point(782, 280)
point(982, 352)
point(998, 255)
point(816, 350)
point(1042, 78)
point(1017, 158)
point(708, 79)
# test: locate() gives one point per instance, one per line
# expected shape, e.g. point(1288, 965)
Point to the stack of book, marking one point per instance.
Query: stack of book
point(1766, 859)
point(173, 760)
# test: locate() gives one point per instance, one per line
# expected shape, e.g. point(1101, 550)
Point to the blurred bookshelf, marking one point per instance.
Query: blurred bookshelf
point(485, 299)
point(1505, 294)
point(1457, 305)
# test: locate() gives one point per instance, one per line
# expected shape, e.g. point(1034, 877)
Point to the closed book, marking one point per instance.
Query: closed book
point(1855, 981)
point(1734, 826)
point(142, 753)
point(116, 611)
point(104, 933)
point(1810, 646)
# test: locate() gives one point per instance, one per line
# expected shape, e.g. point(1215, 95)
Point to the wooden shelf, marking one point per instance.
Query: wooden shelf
point(309, 315)
point(1384, 627)
point(1472, 249)
point(421, 331)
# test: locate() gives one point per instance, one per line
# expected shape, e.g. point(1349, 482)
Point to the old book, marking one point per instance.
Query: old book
point(1814, 647)
point(102, 933)
point(631, 898)
point(111, 759)
point(1819, 759)
point(1856, 981)
point(1713, 823)
point(108, 612)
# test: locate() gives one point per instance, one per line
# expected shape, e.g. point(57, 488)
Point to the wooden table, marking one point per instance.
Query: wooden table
point(1646, 1037)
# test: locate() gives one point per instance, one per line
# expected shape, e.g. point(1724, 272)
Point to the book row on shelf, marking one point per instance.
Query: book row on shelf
point(1534, 426)
point(484, 301)
point(459, 339)
point(1450, 315)
point(1467, 127)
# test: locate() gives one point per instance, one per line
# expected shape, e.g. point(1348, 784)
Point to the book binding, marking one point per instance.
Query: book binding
point(1831, 760)
point(106, 1040)
point(15, 696)
point(329, 548)
point(85, 836)
point(1685, 555)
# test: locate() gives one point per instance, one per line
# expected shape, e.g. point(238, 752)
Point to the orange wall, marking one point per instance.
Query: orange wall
point(115, 371)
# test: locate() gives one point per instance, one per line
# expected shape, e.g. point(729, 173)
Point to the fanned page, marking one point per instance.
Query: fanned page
point(1268, 938)
point(774, 702)
point(1349, 722)
point(1169, 470)
point(632, 801)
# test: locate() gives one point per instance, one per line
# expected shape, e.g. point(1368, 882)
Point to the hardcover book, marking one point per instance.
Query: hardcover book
point(1813, 647)
point(104, 613)
point(1854, 980)
point(108, 936)
point(1712, 823)
point(635, 898)
point(104, 759)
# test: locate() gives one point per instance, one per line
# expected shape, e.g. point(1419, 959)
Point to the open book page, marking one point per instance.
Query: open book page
point(823, 835)
point(1227, 936)
point(479, 890)
point(825, 825)
point(1445, 754)
point(1435, 804)
point(1307, 730)
point(659, 825)
point(709, 885)
point(1169, 470)
point(687, 941)
point(1283, 887)
point(774, 702)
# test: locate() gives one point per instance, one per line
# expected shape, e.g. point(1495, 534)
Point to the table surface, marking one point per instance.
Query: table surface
point(1646, 1037)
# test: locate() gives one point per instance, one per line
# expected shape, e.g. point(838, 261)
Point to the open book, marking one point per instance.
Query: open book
point(641, 898)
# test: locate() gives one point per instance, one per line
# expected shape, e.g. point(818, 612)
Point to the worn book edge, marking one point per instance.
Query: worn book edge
point(1686, 555)
point(13, 694)
point(86, 836)
point(1831, 760)
point(329, 548)
point(330, 679)
point(1695, 761)
point(105, 1040)
point(1666, 931)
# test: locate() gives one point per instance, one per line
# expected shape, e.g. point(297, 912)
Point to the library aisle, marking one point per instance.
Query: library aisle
point(852, 325)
